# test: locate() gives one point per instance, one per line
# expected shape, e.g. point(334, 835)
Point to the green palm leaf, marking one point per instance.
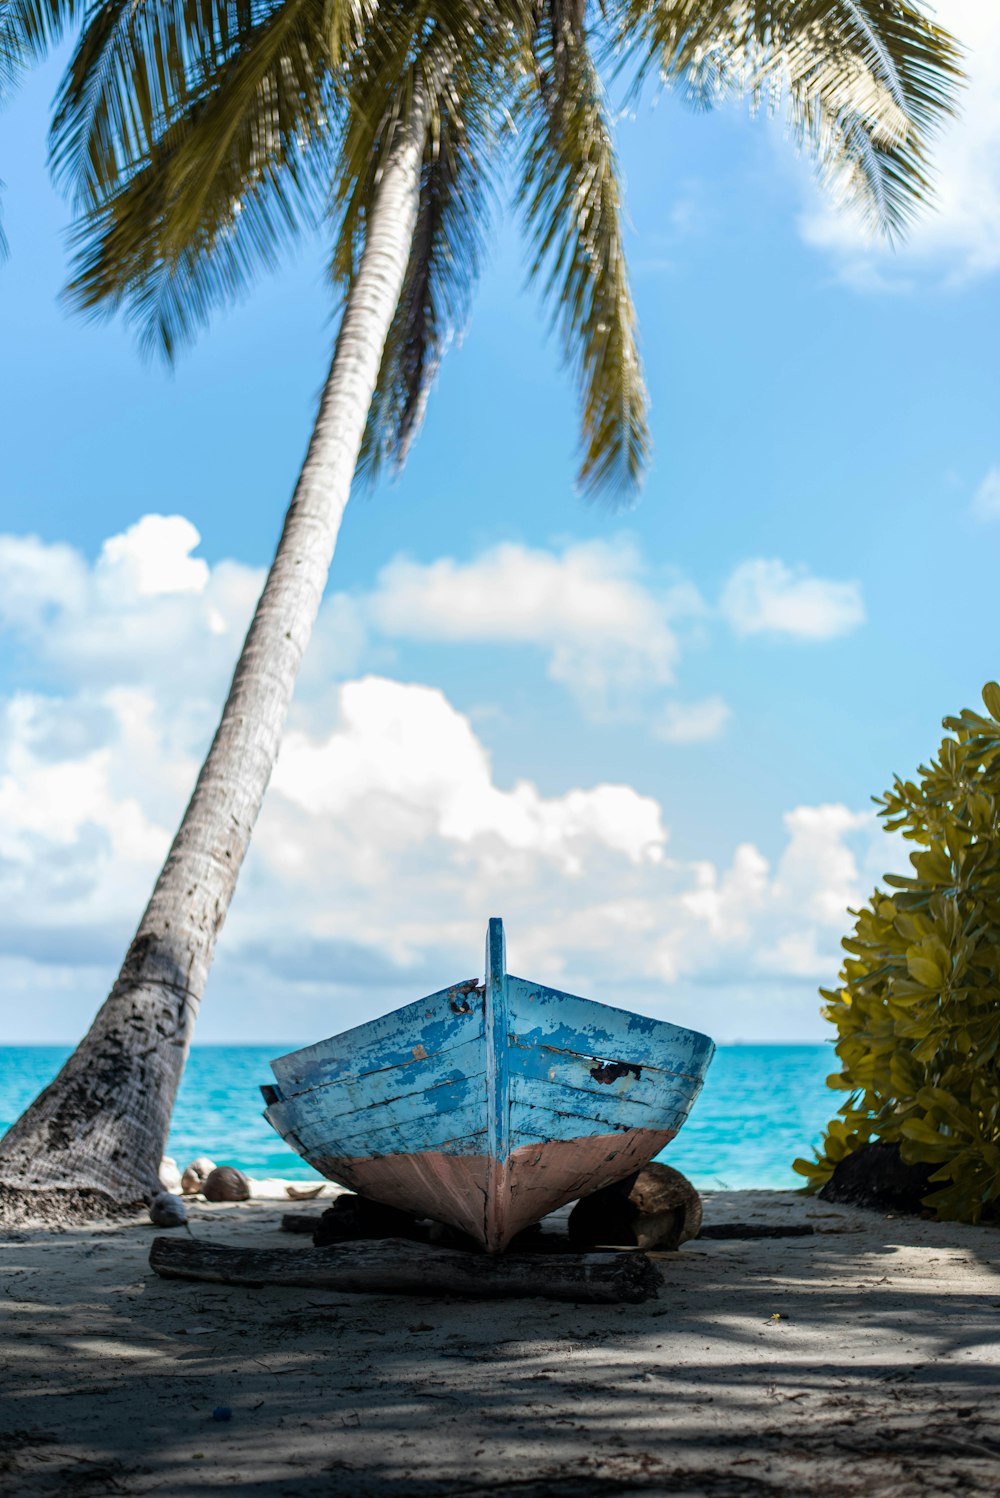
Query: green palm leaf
point(466, 72)
point(222, 189)
point(571, 198)
point(29, 28)
point(137, 65)
point(864, 83)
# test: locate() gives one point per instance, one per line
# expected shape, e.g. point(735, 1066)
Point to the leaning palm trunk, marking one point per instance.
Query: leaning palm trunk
point(96, 1134)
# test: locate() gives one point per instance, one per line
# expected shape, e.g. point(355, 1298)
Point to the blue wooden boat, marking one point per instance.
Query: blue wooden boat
point(487, 1106)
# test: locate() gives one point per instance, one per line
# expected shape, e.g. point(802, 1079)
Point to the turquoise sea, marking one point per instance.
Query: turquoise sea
point(761, 1106)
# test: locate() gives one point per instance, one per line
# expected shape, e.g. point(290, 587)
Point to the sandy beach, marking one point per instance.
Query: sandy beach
point(863, 1359)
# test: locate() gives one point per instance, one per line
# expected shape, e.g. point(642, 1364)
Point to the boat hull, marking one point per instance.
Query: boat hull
point(488, 1106)
point(535, 1179)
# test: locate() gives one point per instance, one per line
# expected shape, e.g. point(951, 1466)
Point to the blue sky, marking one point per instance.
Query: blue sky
point(650, 739)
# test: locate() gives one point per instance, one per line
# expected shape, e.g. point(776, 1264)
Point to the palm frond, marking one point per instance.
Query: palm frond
point(13, 58)
point(468, 74)
point(864, 83)
point(222, 189)
point(138, 63)
point(30, 28)
point(134, 65)
point(571, 197)
point(13, 49)
point(441, 50)
point(434, 304)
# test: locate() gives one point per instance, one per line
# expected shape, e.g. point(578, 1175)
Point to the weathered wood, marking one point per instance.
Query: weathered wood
point(394, 1267)
point(757, 1230)
point(300, 1222)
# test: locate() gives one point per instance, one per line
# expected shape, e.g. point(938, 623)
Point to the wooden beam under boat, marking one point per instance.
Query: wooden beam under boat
point(393, 1266)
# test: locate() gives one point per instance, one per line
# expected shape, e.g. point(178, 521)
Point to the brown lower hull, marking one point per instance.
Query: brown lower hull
point(493, 1201)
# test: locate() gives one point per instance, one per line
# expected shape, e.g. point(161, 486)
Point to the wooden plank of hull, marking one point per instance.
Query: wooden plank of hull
point(549, 1018)
point(538, 1109)
point(493, 1204)
point(449, 1132)
point(448, 1188)
point(390, 1084)
point(308, 1114)
point(424, 1029)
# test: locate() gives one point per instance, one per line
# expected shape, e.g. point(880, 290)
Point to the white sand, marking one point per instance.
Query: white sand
point(862, 1361)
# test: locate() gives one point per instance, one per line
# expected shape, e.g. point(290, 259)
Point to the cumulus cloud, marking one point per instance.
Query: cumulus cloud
point(986, 500)
point(766, 597)
point(609, 632)
point(391, 836)
point(145, 605)
point(603, 630)
point(959, 237)
point(152, 558)
point(79, 834)
point(403, 752)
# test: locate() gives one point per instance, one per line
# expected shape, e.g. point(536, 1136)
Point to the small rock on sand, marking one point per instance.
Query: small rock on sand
point(196, 1175)
point(167, 1211)
point(226, 1184)
point(170, 1176)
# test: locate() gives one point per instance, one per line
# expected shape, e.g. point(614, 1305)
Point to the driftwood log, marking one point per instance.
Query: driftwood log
point(299, 1222)
point(758, 1230)
point(395, 1267)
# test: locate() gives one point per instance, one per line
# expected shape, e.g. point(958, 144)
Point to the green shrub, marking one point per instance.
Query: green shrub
point(918, 1013)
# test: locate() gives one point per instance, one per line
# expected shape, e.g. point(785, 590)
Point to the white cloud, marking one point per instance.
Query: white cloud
point(390, 835)
point(151, 558)
point(36, 580)
point(79, 836)
point(766, 597)
point(986, 500)
point(692, 722)
point(608, 631)
point(403, 752)
point(959, 237)
point(145, 605)
point(603, 630)
point(818, 872)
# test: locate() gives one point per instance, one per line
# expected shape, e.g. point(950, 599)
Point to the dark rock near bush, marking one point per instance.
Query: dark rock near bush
point(655, 1207)
point(226, 1184)
point(877, 1176)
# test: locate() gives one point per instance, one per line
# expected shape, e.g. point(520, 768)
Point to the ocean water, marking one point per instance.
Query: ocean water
point(762, 1105)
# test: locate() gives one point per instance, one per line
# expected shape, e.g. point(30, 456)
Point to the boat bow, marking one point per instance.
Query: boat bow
point(487, 1107)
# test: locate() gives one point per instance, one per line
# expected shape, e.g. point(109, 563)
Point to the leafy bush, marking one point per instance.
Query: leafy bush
point(918, 1015)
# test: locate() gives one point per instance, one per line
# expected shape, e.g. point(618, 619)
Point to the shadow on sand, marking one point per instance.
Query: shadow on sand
point(864, 1361)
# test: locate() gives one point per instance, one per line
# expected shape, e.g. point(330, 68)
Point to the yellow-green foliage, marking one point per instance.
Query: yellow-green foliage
point(918, 1014)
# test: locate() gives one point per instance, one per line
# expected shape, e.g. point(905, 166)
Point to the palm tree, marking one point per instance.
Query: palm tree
point(199, 138)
